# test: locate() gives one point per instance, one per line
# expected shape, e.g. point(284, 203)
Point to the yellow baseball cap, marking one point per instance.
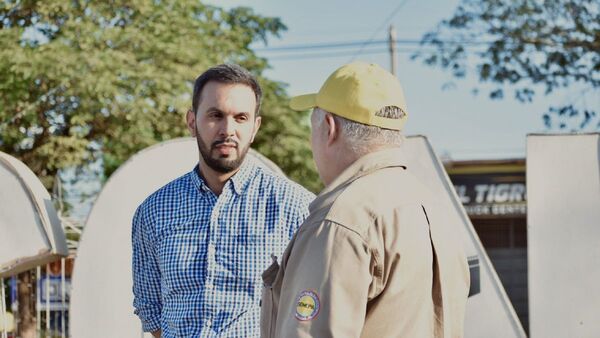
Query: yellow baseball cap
point(356, 92)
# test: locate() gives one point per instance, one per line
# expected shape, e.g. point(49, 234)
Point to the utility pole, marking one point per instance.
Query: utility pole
point(393, 58)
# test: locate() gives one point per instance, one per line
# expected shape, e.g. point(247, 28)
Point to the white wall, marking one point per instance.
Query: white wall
point(563, 190)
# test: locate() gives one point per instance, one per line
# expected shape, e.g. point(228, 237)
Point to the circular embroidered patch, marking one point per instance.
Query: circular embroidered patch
point(307, 305)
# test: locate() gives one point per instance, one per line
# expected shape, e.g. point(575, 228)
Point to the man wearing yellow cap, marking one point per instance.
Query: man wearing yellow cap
point(373, 259)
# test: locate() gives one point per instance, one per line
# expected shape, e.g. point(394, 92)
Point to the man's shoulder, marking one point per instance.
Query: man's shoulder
point(387, 187)
point(172, 191)
point(276, 185)
point(371, 196)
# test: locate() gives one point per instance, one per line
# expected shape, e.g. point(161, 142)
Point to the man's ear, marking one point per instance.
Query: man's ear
point(191, 122)
point(257, 122)
point(332, 129)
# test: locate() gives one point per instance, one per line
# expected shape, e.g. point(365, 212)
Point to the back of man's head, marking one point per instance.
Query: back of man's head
point(361, 139)
point(367, 103)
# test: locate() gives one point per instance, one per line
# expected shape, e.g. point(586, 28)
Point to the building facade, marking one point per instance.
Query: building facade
point(494, 195)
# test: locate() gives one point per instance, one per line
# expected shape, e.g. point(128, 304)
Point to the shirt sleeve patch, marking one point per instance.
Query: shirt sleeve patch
point(307, 305)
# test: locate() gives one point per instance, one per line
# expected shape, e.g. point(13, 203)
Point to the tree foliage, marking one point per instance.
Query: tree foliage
point(83, 80)
point(529, 45)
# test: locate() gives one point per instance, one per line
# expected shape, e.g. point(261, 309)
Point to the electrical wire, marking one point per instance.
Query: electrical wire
point(383, 24)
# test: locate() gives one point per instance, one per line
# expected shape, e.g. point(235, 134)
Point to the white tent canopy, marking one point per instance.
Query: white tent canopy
point(101, 297)
point(31, 230)
point(489, 312)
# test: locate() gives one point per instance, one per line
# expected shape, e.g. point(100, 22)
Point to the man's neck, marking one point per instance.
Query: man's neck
point(214, 179)
point(344, 157)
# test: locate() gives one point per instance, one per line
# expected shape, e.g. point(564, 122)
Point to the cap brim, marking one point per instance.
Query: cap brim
point(303, 102)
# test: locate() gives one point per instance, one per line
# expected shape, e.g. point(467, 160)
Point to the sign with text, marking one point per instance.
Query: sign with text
point(492, 194)
point(51, 293)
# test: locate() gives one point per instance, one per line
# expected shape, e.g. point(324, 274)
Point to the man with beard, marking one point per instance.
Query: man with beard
point(201, 242)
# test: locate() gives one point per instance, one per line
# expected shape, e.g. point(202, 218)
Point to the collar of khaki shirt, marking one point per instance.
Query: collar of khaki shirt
point(390, 157)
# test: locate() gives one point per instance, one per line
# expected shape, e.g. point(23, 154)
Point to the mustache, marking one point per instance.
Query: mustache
point(227, 140)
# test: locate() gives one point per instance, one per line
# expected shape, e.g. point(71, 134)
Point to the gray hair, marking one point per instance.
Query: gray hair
point(362, 138)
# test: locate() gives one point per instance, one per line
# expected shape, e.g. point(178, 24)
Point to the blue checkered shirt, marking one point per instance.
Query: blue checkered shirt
point(198, 257)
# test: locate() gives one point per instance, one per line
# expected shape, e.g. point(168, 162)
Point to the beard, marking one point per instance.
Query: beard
point(221, 163)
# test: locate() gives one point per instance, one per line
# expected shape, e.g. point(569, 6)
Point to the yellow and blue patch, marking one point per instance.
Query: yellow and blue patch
point(307, 305)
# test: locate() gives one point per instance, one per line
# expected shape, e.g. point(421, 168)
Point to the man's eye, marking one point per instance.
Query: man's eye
point(242, 118)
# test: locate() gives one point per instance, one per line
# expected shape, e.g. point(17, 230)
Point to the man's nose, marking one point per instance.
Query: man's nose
point(228, 127)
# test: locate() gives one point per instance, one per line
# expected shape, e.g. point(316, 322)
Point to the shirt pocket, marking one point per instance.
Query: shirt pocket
point(246, 232)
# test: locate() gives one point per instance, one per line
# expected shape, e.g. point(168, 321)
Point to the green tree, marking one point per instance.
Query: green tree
point(529, 45)
point(87, 80)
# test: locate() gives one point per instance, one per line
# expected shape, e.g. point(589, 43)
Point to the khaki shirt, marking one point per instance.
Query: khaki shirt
point(373, 259)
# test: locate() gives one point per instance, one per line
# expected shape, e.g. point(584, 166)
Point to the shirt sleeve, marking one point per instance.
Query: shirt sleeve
point(326, 284)
point(146, 275)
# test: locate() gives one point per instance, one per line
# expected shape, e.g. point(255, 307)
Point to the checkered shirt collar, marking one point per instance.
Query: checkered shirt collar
point(239, 180)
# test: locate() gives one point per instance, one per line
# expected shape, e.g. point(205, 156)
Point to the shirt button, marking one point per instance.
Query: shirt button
point(211, 249)
point(208, 322)
point(209, 286)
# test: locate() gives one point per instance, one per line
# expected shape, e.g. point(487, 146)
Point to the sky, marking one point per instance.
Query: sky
point(459, 124)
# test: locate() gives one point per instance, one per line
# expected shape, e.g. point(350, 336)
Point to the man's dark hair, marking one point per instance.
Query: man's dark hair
point(228, 74)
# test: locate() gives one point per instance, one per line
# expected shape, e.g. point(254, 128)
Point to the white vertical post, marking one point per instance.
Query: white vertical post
point(3, 310)
point(63, 287)
point(38, 304)
point(47, 300)
point(14, 304)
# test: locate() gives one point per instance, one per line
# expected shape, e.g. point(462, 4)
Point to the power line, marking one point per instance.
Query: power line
point(336, 54)
point(321, 45)
point(321, 55)
point(383, 24)
point(362, 43)
point(302, 56)
point(316, 54)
